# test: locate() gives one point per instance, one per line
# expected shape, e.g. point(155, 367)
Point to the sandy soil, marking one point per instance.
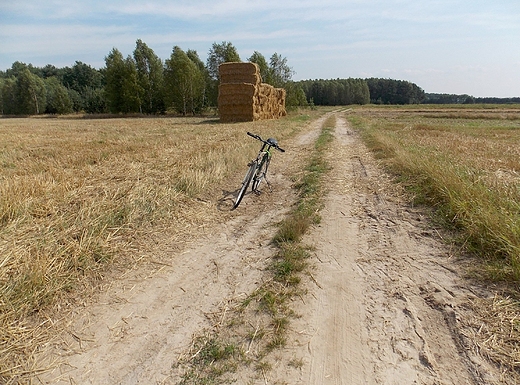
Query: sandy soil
point(385, 303)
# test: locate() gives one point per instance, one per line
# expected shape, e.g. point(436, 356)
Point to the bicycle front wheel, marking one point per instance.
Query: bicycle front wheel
point(260, 174)
point(245, 183)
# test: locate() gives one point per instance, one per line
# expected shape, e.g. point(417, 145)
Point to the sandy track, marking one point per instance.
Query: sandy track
point(384, 306)
point(387, 303)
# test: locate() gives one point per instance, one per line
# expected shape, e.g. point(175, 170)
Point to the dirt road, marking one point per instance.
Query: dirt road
point(385, 303)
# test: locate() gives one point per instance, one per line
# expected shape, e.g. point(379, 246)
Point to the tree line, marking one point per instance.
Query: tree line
point(183, 83)
point(138, 83)
point(336, 92)
point(432, 98)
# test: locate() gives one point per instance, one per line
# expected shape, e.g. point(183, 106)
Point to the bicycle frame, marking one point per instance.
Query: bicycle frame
point(263, 158)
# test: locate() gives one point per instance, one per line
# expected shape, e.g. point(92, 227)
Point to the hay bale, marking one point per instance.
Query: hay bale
point(239, 73)
point(238, 113)
point(236, 93)
point(243, 97)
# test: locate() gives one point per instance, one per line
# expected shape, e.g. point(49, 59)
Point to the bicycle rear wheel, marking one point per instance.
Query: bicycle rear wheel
point(245, 183)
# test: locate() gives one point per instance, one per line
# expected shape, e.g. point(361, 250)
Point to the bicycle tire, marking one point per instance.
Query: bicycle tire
point(260, 173)
point(245, 183)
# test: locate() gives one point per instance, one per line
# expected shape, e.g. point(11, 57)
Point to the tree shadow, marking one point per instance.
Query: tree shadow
point(209, 121)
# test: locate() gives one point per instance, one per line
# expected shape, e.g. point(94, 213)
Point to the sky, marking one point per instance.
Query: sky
point(444, 46)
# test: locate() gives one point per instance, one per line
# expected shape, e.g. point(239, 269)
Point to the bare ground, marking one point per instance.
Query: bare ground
point(385, 302)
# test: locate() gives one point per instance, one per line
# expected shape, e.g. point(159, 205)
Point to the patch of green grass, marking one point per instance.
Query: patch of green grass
point(291, 260)
point(309, 187)
point(215, 350)
point(300, 118)
point(277, 342)
point(212, 360)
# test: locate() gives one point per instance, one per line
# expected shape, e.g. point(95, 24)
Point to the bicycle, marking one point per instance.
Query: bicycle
point(257, 171)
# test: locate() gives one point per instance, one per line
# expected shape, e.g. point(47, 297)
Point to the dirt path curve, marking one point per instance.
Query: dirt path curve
point(382, 308)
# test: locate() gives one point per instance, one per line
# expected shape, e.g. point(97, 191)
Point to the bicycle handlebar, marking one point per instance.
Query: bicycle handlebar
point(265, 141)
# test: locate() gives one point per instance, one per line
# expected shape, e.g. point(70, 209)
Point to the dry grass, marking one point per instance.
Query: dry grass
point(495, 333)
point(465, 166)
point(77, 196)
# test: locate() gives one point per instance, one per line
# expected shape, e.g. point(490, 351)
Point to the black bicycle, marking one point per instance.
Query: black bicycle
point(257, 171)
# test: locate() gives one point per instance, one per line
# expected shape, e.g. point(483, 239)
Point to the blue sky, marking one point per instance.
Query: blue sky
point(445, 46)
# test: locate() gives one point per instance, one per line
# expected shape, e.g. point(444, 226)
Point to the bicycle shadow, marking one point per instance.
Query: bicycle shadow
point(227, 201)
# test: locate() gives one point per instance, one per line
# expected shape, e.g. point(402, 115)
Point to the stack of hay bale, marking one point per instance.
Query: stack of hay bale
point(243, 97)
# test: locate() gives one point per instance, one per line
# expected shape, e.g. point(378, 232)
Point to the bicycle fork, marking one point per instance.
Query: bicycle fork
point(257, 179)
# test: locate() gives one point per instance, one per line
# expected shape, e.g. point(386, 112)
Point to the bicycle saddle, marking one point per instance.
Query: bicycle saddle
point(272, 142)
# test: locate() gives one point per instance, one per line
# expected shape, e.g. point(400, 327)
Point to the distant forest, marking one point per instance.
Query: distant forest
point(143, 83)
point(466, 99)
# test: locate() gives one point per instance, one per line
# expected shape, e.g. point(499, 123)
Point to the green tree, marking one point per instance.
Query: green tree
point(390, 91)
point(9, 103)
point(295, 96)
point(95, 101)
point(79, 80)
point(2, 82)
point(16, 68)
point(49, 71)
point(122, 88)
point(265, 72)
point(30, 93)
point(280, 72)
point(184, 82)
point(203, 98)
point(81, 76)
point(58, 99)
point(150, 78)
point(221, 53)
point(280, 76)
point(78, 104)
point(336, 91)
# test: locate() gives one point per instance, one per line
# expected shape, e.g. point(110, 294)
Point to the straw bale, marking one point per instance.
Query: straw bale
point(238, 109)
point(240, 78)
point(236, 93)
point(266, 89)
point(242, 96)
point(238, 68)
point(238, 113)
point(239, 73)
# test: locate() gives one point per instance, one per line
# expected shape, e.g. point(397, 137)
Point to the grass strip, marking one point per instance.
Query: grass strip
point(214, 358)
